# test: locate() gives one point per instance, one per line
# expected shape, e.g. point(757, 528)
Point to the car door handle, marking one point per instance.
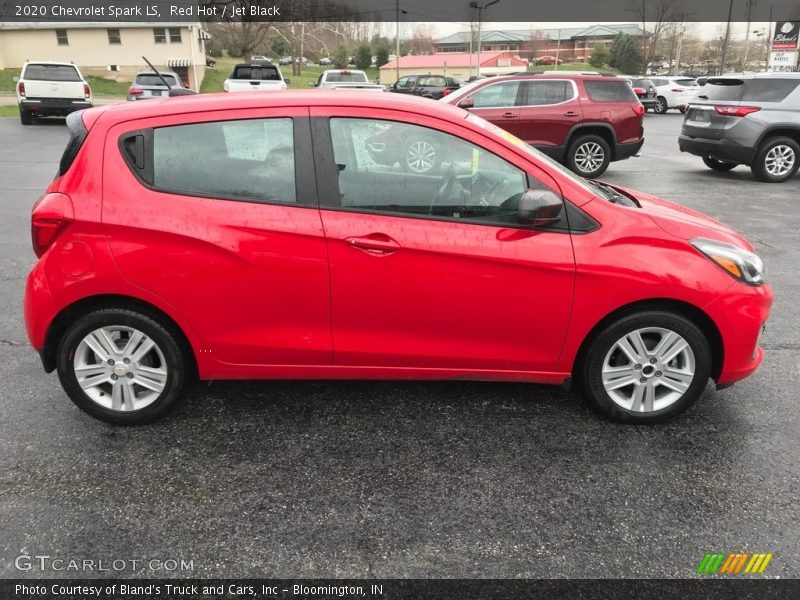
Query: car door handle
point(375, 243)
point(509, 115)
point(571, 113)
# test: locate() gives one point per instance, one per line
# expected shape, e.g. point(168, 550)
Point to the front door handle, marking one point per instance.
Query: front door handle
point(509, 115)
point(374, 243)
point(571, 113)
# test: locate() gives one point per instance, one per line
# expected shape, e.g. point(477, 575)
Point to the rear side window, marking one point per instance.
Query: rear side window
point(722, 89)
point(610, 91)
point(264, 73)
point(243, 160)
point(769, 90)
point(686, 82)
point(542, 92)
point(153, 79)
point(51, 73)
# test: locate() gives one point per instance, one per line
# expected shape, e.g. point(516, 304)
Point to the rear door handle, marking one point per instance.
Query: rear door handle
point(571, 113)
point(374, 243)
point(509, 115)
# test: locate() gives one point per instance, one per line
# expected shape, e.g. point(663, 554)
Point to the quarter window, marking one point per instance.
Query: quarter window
point(499, 94)
point(245, 160)
point(403, 169)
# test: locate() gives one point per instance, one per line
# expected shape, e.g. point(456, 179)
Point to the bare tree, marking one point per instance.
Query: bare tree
point(536, 42)
point(422, 40)
point(657, 14)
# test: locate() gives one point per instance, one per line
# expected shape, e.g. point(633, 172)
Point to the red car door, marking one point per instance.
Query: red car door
point(430, 271)
point(550, 109)
point(225, 231)
point(498, 103)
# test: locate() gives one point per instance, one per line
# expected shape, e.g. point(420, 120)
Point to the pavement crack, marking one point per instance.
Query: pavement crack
point(11, 343)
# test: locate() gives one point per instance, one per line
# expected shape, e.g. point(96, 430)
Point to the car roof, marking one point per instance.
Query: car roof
point(754, 75)
point(165, 105)
point(154, 73)
point(49, 62)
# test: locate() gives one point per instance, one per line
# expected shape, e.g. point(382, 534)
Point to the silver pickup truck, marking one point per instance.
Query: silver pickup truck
point(255, 78)
point(345, 79)
point(46, 88)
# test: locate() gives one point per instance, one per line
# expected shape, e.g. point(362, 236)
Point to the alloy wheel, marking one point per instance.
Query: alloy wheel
point(779, 160)
point(589, 157)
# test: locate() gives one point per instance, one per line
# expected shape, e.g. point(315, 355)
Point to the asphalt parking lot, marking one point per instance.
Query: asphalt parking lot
point(387, 479)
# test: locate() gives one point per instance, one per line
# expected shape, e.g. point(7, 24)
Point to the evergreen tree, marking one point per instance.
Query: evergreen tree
point(599, 56)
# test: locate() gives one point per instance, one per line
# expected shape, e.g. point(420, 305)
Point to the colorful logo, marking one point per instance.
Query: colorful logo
point(734, 563)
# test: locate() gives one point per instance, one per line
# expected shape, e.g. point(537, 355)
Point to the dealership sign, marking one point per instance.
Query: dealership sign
point(785, 37)
point(783, 59)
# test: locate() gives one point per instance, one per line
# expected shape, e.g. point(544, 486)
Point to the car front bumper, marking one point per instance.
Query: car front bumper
point(722, 149)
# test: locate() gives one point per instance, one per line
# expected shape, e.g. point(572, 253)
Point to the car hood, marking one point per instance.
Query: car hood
point(685, 223)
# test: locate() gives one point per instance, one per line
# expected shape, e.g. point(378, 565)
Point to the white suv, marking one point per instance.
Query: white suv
point(672, 91)
point(47, 88)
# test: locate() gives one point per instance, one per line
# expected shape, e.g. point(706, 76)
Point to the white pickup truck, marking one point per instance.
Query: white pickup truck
point(255, 78)
point(46, 88)
point(346, 79)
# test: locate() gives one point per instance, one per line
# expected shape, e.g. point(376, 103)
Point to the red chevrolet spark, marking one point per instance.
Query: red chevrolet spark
point(255, 237)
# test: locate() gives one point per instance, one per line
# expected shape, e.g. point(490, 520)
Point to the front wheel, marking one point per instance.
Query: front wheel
point(646, 367)
point(777, 160)
point(589, 156)
point(122, 366)
point(718, 165)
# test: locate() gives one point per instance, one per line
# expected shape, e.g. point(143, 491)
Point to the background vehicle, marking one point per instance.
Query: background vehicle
point(548, 60)
point(47, 88)
point(645, 91)
point(211, 62)
point(255, 78)
point(325, 61)
point(584, 121)
point(149, 85)
point(673, 92)
point(260, 58)
point(751, 119)
point(378, 268)
point(427, 86)
point(341, 79)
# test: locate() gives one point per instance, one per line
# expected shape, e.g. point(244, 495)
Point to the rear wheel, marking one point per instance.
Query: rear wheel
point(646, 367)
point(718, 165)
point(777, 160)
point(661, 105)
point(122, 366)
point(588, 156)
point(25, 116)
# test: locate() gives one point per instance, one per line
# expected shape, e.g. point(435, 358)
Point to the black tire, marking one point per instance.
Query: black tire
point(718, 165)
point(166, 339)
point(759, 166)
point(25, 116)
point(576, 145)
point(661, 106)
point(682, 110)
point(589, 374)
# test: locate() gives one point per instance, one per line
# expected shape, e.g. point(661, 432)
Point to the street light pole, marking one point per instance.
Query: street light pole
point(480, 10)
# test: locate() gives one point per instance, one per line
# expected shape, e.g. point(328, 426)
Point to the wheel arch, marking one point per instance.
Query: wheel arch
point(697, 316)
point(603, 130)
point(89, 304)
point(779, 131)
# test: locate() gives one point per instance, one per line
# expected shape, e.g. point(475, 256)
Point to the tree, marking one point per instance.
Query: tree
point(599, 56)
point(382, 54)
point(422, 40)
point(656, 13)
point(340, 57)
point(533, 46)
point(364, 57)
point(625, 55)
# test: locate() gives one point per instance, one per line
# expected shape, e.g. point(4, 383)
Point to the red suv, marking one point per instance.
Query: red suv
point(584, 121)
point(253, 237)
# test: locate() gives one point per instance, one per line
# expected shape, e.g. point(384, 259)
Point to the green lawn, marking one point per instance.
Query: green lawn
point(214, 78)
point(100, 85)
point(9, 110)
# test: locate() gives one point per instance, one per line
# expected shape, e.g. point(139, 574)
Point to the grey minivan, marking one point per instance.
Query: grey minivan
point(748, 119)
point(149, 85)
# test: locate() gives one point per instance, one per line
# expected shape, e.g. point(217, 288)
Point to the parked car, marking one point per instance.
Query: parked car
point(548, 60)
point(505, 267)
point(288, 60)
point(260, 58)
point(255, 78)
point(48, 88)
point(645, 91)
point(340, 79)
point(211, 62)
point(427, 86)
point(584, 121)
point(751, 119)
point(673, 92)
point(324, 62)
point(147, 84)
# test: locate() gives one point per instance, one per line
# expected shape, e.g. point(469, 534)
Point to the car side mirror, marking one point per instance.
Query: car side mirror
point(539, 208)
point(467, 103)
point(15, 79)
point(312, 84)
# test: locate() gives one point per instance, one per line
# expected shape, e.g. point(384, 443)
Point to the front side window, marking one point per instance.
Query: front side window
point(403, 169)
point(243, 160)
point(160, 35)
point(405, 82)
point(496, 95)
point(61, 37)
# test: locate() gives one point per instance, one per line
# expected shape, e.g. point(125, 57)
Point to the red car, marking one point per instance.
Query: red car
point(253, 237)
point(582, 120)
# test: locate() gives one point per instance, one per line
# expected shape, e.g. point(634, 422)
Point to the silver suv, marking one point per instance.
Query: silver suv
point(747, 119)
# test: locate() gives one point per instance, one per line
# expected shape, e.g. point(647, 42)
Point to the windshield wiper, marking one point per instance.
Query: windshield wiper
point(613, 195)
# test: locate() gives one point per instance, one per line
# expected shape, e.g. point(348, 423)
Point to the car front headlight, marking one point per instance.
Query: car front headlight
point(740, 264)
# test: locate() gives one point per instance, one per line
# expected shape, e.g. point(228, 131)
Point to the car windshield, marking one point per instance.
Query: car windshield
point(514, 140)
point(722, 89)
point(151, 79)
point(262, 72)
point(51, 73)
